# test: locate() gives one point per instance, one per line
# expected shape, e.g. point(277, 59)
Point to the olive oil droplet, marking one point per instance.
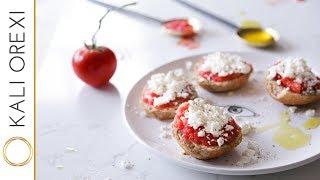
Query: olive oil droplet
point(290, 137)
point(312, 123)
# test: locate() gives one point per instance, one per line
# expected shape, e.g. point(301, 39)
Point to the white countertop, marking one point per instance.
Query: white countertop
point(73, 115)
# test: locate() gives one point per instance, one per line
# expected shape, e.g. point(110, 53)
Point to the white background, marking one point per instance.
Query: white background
point(18, 149)
point(71, 114)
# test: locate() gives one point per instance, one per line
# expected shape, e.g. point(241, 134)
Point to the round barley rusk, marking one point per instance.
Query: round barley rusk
point(224, 86)
point(164, 113)
point(284, 96)
point(201, 151)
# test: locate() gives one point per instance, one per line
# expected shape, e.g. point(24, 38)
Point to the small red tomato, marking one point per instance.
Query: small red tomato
point(94, 66)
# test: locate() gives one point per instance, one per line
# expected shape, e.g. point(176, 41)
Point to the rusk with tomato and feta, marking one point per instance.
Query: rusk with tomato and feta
point(219, 72)
point(165, 92)
point(292, 82)
point(205, 131)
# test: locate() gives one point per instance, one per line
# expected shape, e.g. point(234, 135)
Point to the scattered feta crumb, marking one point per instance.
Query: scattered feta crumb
point(246, 128)
point(310, 112)
point(292, 109)
point(228, 127)
point(249, 155)
point(60, 167)
point(165, 132)
point(201, 133)
point(165, 135)
point(278, 82)
point(126, 164)
point(264, 98)
point(70, 150)
point(143, 114)
point(220, 141)
point(183, 153)
point(188, 65)
point(164, 128)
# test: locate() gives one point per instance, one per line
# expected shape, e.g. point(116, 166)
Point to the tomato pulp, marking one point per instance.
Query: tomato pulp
point(180, 26)
point(216, 78)
point(292, 85)
point(181, 123)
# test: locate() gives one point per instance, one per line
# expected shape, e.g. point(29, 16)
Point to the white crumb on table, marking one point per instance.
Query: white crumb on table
point(292, 109)
point(246, 128)
point(126, 164)
point(60, 167)
point(310, 112)
point(262, 99)
point(165, 132)
point(70, 150)
point(143, 114)
point(250, 155)
point(189, 65)
point(183, 153)
point(165, 135)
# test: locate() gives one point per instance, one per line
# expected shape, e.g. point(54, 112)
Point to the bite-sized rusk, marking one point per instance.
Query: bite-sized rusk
point(287, 97)
point(205, 131)
point(292, 82)
point(220, 72)
point(164, 93)
point(223, 86)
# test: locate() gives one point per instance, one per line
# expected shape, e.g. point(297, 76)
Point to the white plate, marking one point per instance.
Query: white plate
point(253, 96)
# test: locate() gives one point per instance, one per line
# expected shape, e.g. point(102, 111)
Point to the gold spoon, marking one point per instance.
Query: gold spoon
point(196, 25)
point(256, 37)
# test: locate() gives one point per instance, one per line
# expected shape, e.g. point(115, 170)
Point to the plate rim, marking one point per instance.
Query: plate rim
point(212, 170)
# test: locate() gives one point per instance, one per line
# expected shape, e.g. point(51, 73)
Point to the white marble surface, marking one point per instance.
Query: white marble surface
point(73, 115)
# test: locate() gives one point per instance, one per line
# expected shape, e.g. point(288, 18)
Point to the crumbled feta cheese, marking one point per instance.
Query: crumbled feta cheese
point(165, 132)
point(165, 135)
point(292, 109)
point(249, 155)
point(246, 128)
point(143, 114)
point(224, 64)
point(70, 150)
point(169, 86)
point(310, 112)
point(278, 82)
point(201, 133)
point(220, 141)
point(212, 118)
point(228, 127)
point(60, 167)
point(297, 69)
point(188, 65)
point(183, 153)
point(126, 164)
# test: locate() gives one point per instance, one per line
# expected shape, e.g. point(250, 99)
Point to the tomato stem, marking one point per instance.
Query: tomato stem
point(94, 40)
